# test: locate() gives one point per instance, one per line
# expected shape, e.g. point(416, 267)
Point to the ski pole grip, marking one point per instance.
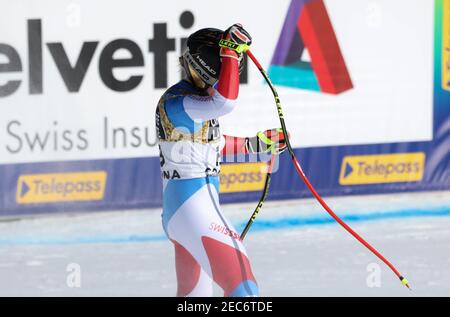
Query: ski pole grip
point(239, 48)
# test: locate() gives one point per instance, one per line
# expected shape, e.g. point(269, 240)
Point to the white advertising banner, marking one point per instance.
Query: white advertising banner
point(80, 80)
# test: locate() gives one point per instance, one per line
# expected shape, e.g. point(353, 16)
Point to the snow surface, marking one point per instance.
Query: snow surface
point(294, 247)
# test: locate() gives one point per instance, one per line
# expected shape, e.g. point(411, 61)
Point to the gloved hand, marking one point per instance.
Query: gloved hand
point(269, 141)
point(237, 34)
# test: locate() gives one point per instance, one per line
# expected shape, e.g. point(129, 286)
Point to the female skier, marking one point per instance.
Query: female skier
point(207, 247)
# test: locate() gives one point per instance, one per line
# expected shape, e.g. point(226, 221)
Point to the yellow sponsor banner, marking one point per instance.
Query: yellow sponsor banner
point(242, 177)
point(382, 168)
point(60, 187)
point(446, 46)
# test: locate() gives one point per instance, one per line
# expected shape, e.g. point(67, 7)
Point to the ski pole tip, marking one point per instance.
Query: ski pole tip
point(405, 282)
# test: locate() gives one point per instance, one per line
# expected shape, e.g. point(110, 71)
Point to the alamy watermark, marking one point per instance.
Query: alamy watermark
point(73, 279)
point(374, 277)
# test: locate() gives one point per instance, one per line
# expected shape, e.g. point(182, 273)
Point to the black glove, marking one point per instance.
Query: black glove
point(269, 141)
point(237, 34)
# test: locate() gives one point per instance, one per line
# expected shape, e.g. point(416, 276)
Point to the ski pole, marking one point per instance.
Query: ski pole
point(245, 48)
point(308, 183)
point(262, 199)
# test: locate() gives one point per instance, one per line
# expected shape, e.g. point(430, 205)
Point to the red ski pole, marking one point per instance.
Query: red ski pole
point(308, 183)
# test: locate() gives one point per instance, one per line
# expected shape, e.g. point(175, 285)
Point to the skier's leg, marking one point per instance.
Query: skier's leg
point(197, 223)
point(192, 279)
point(227, 255)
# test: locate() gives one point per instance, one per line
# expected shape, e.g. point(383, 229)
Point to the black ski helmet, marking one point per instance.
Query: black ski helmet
point(203, 54)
